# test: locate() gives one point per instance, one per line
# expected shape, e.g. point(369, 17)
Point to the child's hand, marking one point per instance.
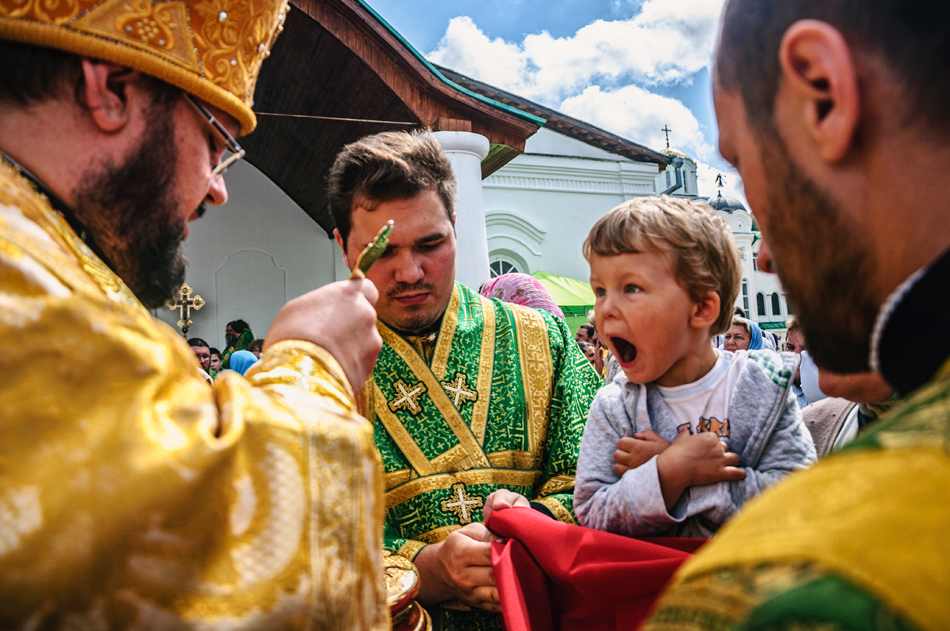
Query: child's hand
point(694, 460)
point(637, 450)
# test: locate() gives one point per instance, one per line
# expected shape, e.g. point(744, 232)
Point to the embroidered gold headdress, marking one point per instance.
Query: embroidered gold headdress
point(210, 48)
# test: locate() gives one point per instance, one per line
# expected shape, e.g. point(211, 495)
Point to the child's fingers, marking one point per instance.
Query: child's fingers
point(731, 459)
point(621, 468)
point(733, 473)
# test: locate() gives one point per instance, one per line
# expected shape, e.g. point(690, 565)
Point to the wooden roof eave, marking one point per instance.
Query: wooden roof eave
point(498, 121)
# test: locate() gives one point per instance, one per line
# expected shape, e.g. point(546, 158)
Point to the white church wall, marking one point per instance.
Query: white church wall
point(251, 255)
point(540, 208)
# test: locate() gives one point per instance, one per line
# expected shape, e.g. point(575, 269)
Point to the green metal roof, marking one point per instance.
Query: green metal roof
point(537, 120)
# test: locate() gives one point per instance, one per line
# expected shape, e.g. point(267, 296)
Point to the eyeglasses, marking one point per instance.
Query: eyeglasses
point(236, 152)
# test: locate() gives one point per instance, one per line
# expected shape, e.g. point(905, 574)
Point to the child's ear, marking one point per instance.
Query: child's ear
point(706, 311)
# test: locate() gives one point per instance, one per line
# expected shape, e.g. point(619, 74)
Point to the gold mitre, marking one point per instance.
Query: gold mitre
point(210, 48)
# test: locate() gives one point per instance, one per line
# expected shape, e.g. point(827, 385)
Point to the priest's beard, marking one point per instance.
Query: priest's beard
point(132, 213)
point(824, 265)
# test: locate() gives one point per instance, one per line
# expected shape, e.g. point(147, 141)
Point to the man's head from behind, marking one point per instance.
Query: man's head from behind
point(813, 96)
point(407, 178)
point(202, 352)
point(665, 273)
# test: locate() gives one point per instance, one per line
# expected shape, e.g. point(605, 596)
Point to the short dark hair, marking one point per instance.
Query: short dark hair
point(238, 326)
point(33, 74)
point(912, 37)
point(385, 167)
point(590, 329)
point(215, 351)
point(197, 341)
point(739, 311)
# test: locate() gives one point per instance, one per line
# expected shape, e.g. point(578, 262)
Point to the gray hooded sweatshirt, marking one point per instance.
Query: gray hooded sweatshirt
point(766, 431)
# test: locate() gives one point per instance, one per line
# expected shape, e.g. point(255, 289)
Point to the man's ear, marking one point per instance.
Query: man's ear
point(339, 240)
point(108, 91)
point(819, 92)
point(706, 311)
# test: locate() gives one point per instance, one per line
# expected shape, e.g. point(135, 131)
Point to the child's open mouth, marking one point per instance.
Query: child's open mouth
point(626, 352)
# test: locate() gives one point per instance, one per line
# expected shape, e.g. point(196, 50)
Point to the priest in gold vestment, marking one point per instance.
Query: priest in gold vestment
point(132, 496)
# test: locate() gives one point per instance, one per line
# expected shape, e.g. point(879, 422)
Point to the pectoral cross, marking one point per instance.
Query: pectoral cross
point(184, 305)
point(460, 507)
point(666, 129)
point(406, 397)
point(459, 390)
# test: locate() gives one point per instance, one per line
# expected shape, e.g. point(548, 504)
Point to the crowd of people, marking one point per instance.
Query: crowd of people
point(134, 496)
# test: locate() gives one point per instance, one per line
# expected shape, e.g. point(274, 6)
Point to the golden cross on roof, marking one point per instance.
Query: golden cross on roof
point(184, 305)
point(460, 507)
point(406, 398)
point(459, 390)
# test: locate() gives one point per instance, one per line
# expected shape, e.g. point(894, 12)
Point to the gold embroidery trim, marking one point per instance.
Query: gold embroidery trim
point(537, 371)
point(561, 513)
point(443, 346)
point(514, 459)
point(557, 484)
point(410, 549)
point(443, 481)
point(395, 478)
point(439, 534)
point(446, 461)
point(437, 395)
point(486, 367)
point(400, 434)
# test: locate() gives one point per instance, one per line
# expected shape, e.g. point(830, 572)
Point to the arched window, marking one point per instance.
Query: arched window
point(776, 305)
point(760, 303)
point(745, 296)
point(501, 265)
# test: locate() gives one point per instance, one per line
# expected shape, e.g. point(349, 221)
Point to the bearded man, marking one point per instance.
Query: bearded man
point(237, 336)
point(819, 101)
point(478, 404)
point(131, 495)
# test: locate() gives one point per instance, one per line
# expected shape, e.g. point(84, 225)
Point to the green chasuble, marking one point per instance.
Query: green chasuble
point(240, 345)
point(502, 404)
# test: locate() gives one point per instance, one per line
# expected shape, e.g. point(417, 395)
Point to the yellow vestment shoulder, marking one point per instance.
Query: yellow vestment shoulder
point(875, 514)
point(134, 496)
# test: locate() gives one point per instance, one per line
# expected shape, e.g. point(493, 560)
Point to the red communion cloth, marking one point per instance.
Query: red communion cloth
point(555, 576)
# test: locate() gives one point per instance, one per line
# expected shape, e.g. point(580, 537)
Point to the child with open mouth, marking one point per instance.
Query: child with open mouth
point(687, 434)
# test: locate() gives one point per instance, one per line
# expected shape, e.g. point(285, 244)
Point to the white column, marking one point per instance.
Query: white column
point(465, 152)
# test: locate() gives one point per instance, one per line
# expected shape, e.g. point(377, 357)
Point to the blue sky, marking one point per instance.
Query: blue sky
point(628, 66)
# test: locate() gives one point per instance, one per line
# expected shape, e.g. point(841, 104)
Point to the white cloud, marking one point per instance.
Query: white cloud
point(666, 42)
point(640, 115)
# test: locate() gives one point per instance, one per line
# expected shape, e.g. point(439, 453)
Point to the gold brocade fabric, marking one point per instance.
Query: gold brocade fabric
point(874, 515)
point(132, 496)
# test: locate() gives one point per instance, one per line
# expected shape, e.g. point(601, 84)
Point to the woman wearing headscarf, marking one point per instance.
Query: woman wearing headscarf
point(744, 335)
point(241, 361)
point(521, 289)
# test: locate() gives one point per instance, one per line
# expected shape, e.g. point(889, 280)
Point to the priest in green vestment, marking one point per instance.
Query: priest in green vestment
point(476, 403)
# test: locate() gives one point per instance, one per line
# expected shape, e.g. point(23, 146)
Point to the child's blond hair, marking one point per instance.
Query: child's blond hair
point(698, 242)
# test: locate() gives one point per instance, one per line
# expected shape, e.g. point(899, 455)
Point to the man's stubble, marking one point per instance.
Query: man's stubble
point(824, 264)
